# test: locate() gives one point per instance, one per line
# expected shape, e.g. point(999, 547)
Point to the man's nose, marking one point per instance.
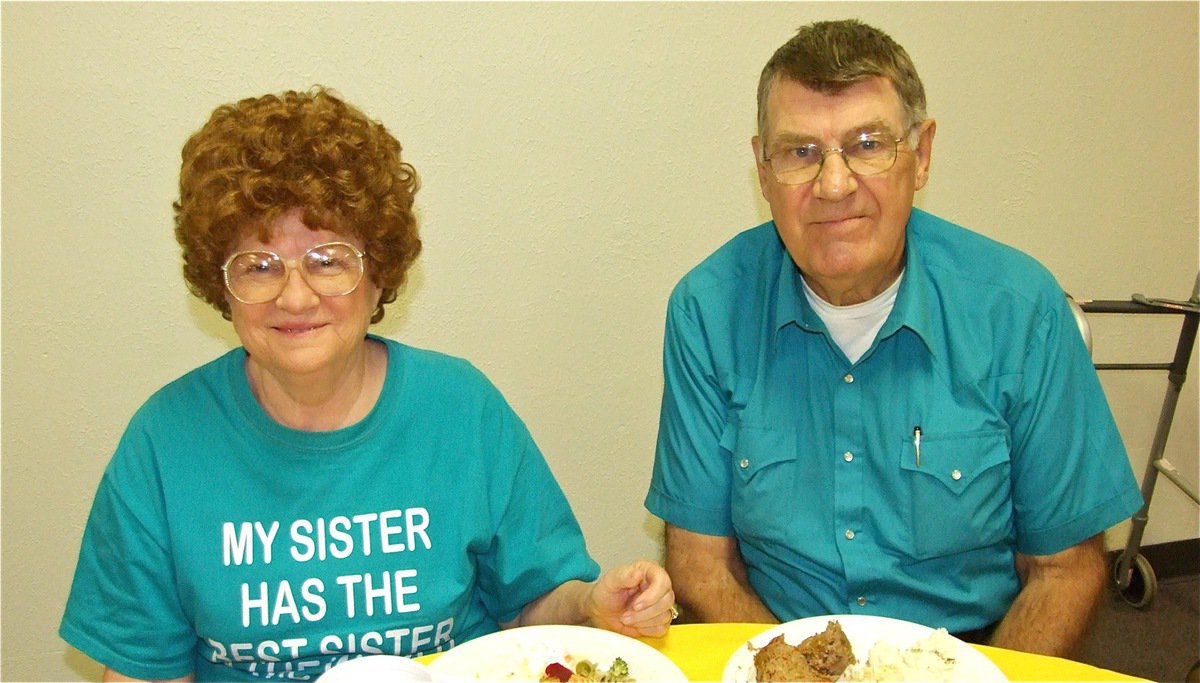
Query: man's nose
point(834, 180)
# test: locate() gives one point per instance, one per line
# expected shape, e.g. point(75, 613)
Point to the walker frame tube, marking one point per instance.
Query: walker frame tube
point(1157, 463)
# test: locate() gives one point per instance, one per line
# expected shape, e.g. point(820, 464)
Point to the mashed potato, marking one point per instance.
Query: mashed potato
point(929, 659)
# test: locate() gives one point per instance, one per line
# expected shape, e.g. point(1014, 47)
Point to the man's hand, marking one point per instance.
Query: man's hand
point(710, 579)
point(1057, 601)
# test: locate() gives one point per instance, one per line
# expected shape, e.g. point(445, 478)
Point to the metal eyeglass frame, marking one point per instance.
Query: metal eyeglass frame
point(841, 152)
point(289, 264)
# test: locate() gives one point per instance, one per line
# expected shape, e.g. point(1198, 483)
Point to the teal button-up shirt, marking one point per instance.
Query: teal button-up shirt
point(768, 433)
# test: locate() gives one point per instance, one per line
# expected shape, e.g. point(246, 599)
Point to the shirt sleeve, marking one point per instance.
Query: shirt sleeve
point(538, 544)
point(124, 609)
point(1072, 477)
point(690, 483)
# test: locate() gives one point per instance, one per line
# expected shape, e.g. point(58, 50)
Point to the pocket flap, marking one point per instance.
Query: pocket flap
point(756, 449)
point(956, 460)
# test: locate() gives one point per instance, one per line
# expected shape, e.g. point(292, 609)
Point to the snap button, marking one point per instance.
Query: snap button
point(744, 463)
point(847, 456)
point(861, 601)
point(849, 534)
point(848, 379)
point(956, 475)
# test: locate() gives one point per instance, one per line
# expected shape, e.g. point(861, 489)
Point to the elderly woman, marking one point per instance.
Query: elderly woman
point(321, 492)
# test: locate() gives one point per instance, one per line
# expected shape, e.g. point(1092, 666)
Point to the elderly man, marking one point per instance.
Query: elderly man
point(868, 409)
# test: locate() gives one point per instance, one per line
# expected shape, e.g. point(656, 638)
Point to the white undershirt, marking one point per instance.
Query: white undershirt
point(854, 327)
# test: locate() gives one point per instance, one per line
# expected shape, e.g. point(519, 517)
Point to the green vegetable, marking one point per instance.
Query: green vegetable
point(618, 672)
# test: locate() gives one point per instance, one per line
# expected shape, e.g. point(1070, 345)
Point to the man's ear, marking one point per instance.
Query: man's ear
point(924, 152)
point(763, 172)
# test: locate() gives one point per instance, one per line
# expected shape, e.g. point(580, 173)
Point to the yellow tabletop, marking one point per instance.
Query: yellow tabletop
point(701, 651)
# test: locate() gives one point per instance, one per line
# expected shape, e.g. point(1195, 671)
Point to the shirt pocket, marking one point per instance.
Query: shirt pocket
point(764, 479)
point(960, 495)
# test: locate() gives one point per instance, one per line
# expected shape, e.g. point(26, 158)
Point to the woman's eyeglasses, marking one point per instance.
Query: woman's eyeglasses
point(331, 269)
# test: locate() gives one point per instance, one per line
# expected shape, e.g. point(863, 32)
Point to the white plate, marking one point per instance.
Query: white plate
point(377, 668)
point(862, 631)
point(521, 654)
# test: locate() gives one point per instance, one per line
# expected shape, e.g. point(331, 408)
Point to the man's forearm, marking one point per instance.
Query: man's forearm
point(1054, 609)
point(1047, 619)
point(722, 598)
point(710, 579)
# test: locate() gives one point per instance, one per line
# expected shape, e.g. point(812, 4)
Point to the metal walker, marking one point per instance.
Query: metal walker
point(1132, 574)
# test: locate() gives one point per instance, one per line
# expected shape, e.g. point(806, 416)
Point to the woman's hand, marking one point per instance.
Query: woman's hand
point(634, 600)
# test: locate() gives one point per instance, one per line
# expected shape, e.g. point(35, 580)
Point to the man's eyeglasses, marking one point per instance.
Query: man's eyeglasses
point(331, 269)
point(867, 154)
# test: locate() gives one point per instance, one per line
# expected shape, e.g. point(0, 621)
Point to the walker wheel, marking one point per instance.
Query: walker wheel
point(1139, 588)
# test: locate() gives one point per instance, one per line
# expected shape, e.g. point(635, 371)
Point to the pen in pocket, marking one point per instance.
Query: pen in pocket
point(917, 443)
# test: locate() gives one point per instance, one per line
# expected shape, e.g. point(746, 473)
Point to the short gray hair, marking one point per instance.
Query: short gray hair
point(830, 56)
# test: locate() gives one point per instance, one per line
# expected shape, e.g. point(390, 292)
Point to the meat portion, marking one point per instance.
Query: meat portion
point(778, 661)
point(821, 657)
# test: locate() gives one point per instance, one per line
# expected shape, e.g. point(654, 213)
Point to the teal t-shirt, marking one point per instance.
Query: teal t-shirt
point(225, 544)
point(769, 434)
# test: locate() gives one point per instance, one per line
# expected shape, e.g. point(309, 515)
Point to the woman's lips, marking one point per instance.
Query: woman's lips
point(297, 328)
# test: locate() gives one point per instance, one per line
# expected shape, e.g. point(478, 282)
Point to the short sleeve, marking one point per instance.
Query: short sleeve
point(1071, 478)
point(538, 544)
point(690, 484)
point(124, 609)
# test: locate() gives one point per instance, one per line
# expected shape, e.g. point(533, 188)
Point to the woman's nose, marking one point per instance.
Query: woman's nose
point(296, 295)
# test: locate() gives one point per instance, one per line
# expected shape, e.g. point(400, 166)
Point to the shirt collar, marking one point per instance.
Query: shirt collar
point(913, 309)
point(791, 306)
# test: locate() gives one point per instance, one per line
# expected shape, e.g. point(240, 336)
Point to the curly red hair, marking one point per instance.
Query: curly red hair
point(261, 157)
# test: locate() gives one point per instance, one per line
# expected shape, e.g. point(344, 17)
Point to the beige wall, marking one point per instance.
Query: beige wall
point(577, 159)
